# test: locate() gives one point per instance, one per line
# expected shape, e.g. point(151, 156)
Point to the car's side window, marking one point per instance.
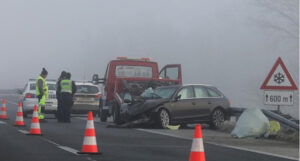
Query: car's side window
point(186, 93)
point(200, 92)
point(213, 93)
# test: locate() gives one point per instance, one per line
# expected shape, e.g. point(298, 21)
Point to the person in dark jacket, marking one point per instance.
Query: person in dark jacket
point(59, 113)
point(67, 89)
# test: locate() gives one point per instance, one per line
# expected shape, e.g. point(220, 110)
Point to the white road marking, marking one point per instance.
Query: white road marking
point(162, 133)
point(52, 142)
point(24, 131)
point(254, 151)
point(221, 145)
point(66, 148)
point(2, 122)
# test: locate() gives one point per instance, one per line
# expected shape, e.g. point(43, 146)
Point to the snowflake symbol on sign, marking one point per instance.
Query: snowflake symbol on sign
point(279, 78)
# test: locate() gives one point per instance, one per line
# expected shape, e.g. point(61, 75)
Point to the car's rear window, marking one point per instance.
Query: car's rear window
point(87, 89)
point(213, 92)
point(50, 86)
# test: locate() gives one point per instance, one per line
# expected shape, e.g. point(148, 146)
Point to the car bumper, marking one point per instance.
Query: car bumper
point(85, 107)
point(51, 106)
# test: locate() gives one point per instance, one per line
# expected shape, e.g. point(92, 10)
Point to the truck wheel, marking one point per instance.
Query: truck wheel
point(116, 114)
point(103, 115)
point(163, 118)
point(25, 114)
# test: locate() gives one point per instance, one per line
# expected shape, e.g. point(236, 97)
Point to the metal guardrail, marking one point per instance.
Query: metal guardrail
point(236, 111)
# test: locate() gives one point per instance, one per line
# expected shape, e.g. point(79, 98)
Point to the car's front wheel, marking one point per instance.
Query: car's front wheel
point(163, 118)
point(217, 118)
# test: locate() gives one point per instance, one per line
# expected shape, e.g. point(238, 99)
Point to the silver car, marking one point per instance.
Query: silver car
point(29, 99)
point(86, 98)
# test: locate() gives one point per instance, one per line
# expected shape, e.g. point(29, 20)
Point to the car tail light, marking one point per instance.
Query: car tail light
point(29, 95)
point(98, 96)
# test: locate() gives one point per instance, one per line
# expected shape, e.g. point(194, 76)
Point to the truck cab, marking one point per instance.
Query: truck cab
point(123, 74)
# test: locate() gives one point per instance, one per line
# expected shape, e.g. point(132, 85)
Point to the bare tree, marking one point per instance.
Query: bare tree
point(283, 16)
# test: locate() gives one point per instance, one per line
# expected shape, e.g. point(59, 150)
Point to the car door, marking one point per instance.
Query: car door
point(184, 106)
point(203, 101)
point(172, 73)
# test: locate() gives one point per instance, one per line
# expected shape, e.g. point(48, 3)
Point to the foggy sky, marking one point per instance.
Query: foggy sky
point(217, 42)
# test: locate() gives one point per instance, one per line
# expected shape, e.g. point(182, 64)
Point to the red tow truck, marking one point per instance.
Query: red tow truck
point(134, 75)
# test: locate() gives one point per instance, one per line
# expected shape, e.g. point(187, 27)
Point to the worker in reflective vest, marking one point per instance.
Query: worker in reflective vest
point(67, 89)
point(59, 112)
point(41, 89)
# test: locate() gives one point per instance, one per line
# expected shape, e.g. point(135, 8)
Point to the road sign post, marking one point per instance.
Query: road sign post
point(279, 86)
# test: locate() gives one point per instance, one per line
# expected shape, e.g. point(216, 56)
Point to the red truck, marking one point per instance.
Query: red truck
point(136, 75)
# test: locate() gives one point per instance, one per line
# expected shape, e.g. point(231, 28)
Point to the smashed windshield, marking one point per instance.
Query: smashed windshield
point(159, 92)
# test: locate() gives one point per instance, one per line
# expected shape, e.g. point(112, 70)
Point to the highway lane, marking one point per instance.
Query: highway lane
point(115, 144)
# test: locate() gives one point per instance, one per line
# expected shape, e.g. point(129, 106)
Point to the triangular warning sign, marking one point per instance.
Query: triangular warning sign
point(279, 78)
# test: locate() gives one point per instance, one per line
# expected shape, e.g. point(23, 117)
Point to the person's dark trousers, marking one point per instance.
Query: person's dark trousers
point(59, 112)
point(67, 101)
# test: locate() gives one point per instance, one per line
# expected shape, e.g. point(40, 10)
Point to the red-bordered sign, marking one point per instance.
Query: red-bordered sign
point(279, 78)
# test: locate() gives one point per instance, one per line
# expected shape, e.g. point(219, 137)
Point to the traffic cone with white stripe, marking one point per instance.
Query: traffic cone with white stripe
point(35, 123)
point(3, 111)
point(197, 151)
point(19, 117)
point(89, 143)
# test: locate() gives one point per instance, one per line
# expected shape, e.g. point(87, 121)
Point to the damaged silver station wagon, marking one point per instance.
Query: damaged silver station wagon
point(179, 104)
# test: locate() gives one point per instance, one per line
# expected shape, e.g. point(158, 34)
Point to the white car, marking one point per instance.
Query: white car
point(86, 98)
point(29, 98)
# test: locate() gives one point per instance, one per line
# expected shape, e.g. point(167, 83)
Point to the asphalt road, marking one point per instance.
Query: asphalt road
point(61, 141)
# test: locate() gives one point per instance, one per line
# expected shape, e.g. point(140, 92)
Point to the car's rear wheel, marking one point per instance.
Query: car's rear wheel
point(163, 118)
point(217, 118)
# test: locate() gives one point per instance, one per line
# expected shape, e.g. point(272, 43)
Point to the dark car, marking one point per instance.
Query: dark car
point(178, 105)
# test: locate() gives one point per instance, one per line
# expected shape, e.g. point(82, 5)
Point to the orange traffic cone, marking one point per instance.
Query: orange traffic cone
point(89, 143)
point(197, 151)
point(35, 123)
point(19, 117)
point(3, 111)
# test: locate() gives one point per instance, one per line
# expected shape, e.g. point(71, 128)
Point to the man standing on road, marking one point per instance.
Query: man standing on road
point(41, 89)
point(68, 89)
point(59, 113)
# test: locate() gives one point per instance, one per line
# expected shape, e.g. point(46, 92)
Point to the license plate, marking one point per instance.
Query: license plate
point(49, 103)
point(85, 99)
